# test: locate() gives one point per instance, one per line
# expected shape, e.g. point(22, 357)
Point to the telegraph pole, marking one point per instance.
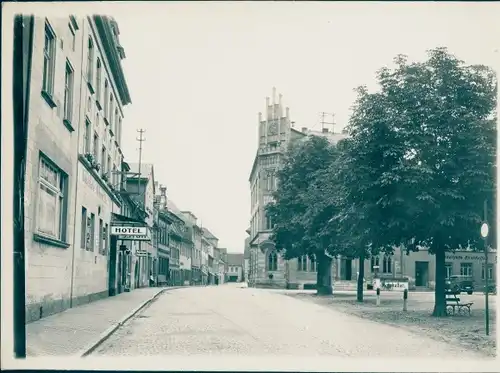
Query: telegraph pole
point(141, 139)
point(323, 114)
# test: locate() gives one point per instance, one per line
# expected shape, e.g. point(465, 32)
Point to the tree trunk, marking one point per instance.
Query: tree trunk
point(439, 291)
point(361, 277)
point(324, 277)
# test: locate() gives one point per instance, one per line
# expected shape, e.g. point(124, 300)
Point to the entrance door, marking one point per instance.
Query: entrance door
point(421, 273)
point(112, 266)
point(346, 269)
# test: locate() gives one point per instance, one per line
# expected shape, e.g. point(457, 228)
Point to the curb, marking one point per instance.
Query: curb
point(108, 332)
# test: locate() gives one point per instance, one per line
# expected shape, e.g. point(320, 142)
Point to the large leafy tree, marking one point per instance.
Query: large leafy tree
point(370, 219)
point(438, 166)
point(298, 212)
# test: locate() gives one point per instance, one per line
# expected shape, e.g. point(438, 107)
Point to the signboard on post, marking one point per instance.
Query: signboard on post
point(131, 232)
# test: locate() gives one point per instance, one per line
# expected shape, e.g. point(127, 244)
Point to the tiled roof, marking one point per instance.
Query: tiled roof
point(235, 259)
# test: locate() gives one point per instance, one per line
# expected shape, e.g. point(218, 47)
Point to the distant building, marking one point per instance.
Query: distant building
point(196, 260)
point(140, 184)
point(235, 267)
point(267, 267)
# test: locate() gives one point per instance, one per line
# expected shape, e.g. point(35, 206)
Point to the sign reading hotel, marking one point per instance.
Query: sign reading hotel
point(131, 233)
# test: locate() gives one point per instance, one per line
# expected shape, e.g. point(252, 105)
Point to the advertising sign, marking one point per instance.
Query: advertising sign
point(131, 233)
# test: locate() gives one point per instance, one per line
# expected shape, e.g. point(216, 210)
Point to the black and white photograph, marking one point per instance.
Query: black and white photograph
point(238, 186)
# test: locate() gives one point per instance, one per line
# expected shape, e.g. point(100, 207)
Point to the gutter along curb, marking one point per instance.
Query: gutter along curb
point(108, 332)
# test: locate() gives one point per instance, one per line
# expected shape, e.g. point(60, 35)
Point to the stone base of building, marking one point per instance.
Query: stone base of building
point(37, 311)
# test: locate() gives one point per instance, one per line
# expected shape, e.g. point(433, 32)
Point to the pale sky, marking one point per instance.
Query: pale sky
point(199, 73)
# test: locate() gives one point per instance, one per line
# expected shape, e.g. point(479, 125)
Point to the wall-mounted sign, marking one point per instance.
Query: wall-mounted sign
point(141, 252)
point(128, 230)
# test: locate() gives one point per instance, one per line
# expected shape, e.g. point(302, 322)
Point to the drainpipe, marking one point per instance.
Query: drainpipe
point(20, 137)
point(77, 168)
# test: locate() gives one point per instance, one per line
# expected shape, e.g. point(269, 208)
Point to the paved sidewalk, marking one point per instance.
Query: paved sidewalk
point(74, 330)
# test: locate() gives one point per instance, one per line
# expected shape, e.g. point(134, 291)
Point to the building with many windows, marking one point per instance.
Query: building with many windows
point(266, 266)
point(78, 91)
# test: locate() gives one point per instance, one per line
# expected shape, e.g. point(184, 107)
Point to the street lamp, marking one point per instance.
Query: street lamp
point(484, 234)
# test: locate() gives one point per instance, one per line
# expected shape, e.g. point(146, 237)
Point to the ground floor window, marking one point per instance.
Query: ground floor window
point(449, 270)
point(489, 271)
point(466, 269)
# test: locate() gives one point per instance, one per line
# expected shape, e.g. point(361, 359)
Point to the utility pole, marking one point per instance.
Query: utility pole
point(484, 233)
point(141, 140)
point(323, 114)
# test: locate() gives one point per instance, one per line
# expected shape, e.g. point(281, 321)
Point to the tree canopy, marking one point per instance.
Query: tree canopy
point(417, 166)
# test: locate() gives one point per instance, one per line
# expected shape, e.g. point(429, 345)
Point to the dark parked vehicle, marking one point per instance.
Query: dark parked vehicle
point(460, 284)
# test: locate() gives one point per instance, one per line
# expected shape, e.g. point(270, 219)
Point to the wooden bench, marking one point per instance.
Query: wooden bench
point(453, 305)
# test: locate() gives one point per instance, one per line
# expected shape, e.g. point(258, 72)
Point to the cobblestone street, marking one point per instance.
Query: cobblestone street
point(233, 320)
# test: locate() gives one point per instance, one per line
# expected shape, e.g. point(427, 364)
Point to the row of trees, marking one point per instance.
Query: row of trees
point(417, 165)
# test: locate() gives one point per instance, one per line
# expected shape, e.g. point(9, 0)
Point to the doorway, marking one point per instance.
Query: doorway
point(346, 269)
point(421, 274)
point(112, 266)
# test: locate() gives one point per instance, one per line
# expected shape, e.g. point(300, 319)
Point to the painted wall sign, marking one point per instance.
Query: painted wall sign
point(465, 257)
point(128, 231)
point(141, 252)
point(89, 180)
point(134, 238)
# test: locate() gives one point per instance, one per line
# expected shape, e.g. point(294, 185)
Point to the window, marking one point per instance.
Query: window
point(68, 92)
point(90, 230)
point(119, 134)
point(98, 80)
point(449, 269)
point(106, 240)
point(269, 224)
point(114, 176)
point(466, 269)
point(108, 167)
point(106, 104)
point(101, 236)
point(490, 272)
point(111, 111)
point(272, 261)
point(73, 37)
point(312, 266)
point(86, 137)
point(51, 203)
point(375, 263)
point(49, 51)
point(387, 264)
point(103, 161)
point(83, 223)
point(116, 121)
point(90, 61)
point(96, 147)
point(302, 263)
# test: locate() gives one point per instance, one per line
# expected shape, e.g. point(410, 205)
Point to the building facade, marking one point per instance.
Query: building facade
point(234, 267)
point(267, 267)
point(74, 144)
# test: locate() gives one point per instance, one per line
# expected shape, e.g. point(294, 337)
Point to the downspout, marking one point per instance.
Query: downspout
point(77, 168)
point(20, 139)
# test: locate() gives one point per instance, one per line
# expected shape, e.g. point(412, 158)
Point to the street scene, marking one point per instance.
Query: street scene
point(222, 195)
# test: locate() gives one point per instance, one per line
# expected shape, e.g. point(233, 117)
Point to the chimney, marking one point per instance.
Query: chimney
point(287, 113)
point(304, 129)
point(325, 130)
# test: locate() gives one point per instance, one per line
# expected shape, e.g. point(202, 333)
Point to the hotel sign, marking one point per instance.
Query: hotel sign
point(131, 233)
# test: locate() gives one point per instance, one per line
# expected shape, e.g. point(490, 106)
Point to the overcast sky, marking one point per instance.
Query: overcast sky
point(199, 74)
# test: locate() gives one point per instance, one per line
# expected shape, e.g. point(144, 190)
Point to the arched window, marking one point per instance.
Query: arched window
point(106, 102)
point(272, 261)
point(312, 265)
point(375, 262)
point(111, 111)
point(302, 263)
point(387, 264)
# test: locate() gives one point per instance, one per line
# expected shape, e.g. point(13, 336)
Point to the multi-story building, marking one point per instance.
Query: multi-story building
point(191, 222)
point(267, 267)
point(235, 267)
point(140, 184)
point(160, 236)
point(246, 258)
point(175, 242)
point(211, 243)
point(74, 140)
point(223, 265)
point(186, 255)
